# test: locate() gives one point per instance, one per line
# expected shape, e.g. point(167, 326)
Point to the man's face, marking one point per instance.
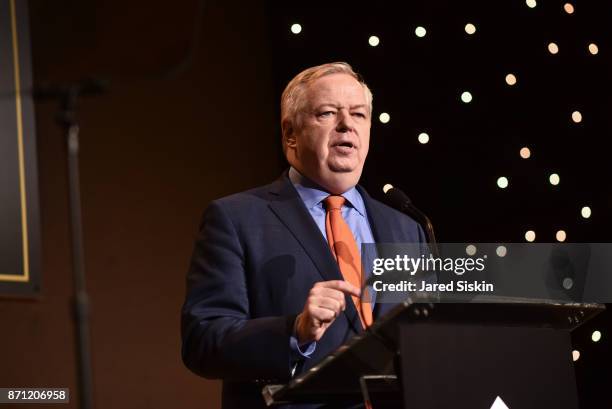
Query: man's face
point(331, 143)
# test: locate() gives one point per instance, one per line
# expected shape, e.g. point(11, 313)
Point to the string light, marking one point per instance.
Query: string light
point(530, 235)
point(553, 48)
point(531, 3)
point(470, 250)
point(502, 182)
point(576, 117)
point(575, 355)
point(420, 31)
point(585, 212)
point(296, 28)
point(466, 97)
point(373, 41)
point(596, 336)
point(569, 9)
point(423, 138)
point(525, 152)
point(554, 179)
point(593, 49)
point(510, 79)
point(561, 235)
point(470, 28)
point(384, 117)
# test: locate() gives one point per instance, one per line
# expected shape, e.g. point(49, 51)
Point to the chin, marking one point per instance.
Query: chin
point(344, 166)
point(339, 181)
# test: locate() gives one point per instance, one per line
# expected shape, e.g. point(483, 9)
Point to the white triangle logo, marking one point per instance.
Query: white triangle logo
point(499, 404)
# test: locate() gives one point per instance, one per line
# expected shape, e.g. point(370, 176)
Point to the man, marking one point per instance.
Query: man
point(274, 281)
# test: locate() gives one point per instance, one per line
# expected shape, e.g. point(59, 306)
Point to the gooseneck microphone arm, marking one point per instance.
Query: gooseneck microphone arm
point(400, 201)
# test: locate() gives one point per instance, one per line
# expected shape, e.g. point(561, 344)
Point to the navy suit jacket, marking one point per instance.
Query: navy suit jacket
point(257, 255)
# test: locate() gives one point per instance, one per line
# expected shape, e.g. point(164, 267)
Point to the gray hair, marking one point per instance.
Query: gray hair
point(292, 99)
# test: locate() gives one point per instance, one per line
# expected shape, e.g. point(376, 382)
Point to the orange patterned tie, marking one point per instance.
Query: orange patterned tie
point(344, 248)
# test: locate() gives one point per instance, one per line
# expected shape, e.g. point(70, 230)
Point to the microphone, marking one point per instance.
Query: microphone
point(400, 201)
point(85, 87)
point(61, 91)
point(67, 94)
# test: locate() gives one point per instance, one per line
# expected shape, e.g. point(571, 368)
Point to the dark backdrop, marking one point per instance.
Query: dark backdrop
point(156, 148)
point(189, 118)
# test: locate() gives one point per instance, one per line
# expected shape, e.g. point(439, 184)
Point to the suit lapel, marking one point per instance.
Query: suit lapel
point(382, 230)
point(287, 205)
point(290, 209)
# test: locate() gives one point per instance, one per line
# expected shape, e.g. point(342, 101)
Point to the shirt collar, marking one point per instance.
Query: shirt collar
point(313, 194)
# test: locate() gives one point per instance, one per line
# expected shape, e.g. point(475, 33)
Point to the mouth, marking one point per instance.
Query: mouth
point(344, 144)
point(344, 148)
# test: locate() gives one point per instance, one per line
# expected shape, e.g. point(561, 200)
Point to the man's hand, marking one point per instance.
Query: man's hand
point(326, 300)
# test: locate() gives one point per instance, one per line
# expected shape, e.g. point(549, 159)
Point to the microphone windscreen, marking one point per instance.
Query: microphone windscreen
point(397, 198)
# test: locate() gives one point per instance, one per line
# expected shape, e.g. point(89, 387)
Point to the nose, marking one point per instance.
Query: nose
point(345, 121)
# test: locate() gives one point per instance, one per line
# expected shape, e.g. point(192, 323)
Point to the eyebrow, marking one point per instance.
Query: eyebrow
point(329, 104)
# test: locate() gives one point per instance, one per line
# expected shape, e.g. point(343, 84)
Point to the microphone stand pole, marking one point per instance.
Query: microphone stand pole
point(67, 120)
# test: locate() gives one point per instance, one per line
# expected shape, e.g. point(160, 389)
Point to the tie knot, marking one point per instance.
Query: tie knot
point(333, 202)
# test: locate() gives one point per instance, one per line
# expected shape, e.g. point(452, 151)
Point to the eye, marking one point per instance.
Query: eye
point(325, 114)
point(359, 114)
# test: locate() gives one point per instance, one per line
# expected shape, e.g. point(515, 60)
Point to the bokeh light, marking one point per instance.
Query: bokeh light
point(561, 235)
point(553, 48)
point(525, 152)
point(502, 182)
point(596, 336)
point(296, 28)
point(420, 31)
point(585, 212)
point(554, 179)
point(470, 28)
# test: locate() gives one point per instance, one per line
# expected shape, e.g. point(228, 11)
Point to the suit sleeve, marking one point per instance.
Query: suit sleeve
point(219, 337)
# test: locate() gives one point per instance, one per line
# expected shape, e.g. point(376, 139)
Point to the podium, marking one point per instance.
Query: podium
point(493, 352)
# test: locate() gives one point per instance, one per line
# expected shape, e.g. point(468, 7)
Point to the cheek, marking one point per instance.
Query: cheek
point(365, 150)
point(365, 140)
point(316, 141)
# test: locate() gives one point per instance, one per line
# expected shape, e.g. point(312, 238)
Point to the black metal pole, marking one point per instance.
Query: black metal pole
point(67, 118)
point(67, 95)
point(81, 299)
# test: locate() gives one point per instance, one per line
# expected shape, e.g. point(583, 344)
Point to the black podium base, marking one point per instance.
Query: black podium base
point(475, 365)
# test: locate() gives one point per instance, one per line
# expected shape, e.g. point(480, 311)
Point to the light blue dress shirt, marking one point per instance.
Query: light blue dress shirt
point(353, 212)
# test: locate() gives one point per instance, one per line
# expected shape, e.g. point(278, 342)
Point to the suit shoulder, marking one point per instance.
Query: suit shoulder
point(245, 201)
point(393, 214)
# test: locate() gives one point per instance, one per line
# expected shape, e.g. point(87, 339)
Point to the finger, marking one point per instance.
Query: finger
point(343, 286)
point(322, 315)
point(336, 295)
point(331, 304)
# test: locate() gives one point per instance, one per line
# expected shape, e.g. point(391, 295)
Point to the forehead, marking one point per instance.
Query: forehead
point(336, 89)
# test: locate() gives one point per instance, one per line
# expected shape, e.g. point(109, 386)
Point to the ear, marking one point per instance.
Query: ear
point(288, 133)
